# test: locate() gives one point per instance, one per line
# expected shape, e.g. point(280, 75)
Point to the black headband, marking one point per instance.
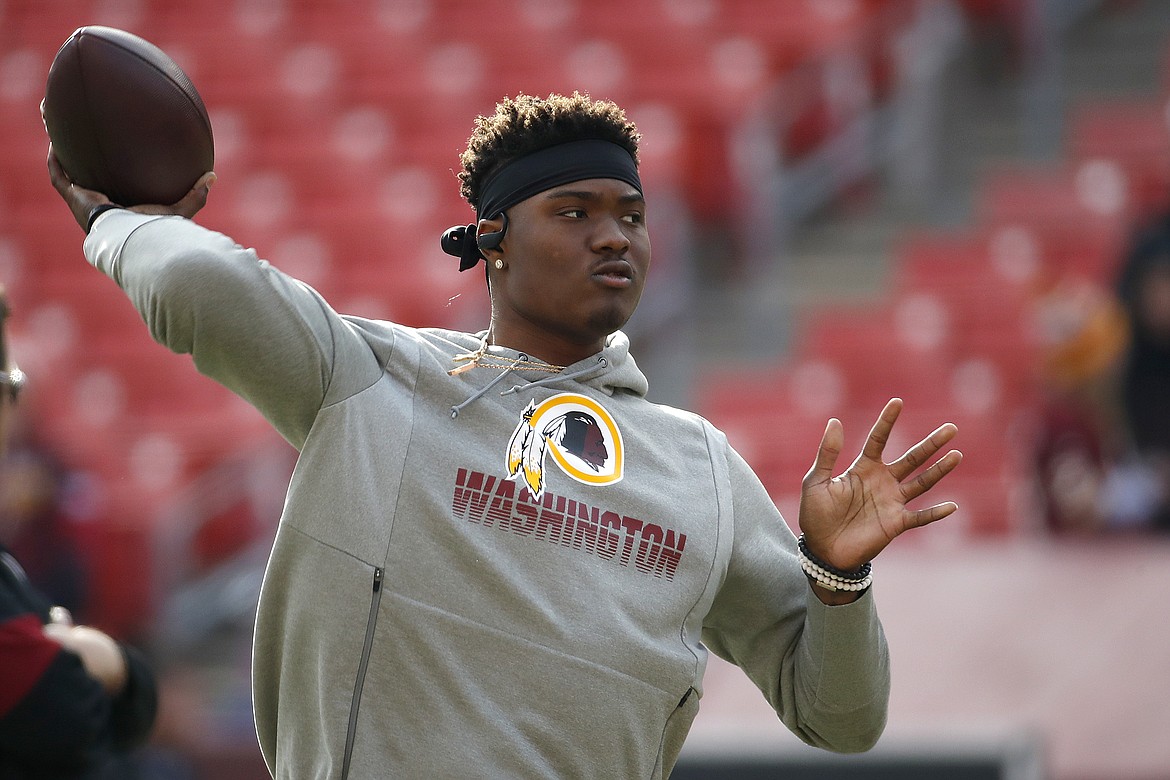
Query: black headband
point(526, 176)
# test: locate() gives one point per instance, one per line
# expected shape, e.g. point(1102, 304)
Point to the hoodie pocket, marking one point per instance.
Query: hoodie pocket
point(677, 727)
point(363, 665)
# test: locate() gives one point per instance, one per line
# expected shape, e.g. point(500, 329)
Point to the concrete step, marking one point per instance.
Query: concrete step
point(842, 256)
point(1121, 49)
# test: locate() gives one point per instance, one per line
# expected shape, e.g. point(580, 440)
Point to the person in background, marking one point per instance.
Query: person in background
point(73, 700)
point(1144, 288)
point(41, 499)
point(1079, 439)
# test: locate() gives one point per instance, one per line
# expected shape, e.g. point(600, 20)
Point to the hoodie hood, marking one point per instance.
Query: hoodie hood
point(612, 371)
point(621, 373)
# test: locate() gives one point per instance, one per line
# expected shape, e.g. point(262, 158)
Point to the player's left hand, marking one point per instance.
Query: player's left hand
point(847, 520)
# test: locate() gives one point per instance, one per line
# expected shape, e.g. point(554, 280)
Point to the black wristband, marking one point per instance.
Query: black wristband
point(96, 212)
point(851, 576)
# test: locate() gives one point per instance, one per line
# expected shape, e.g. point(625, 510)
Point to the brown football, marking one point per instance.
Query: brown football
point(124, 119)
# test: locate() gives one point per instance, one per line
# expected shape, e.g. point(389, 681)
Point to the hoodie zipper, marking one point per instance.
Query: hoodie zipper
point(371, 622)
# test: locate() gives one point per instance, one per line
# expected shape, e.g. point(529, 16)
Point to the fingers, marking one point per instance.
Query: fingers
point(205, 181)
point(189, 205)
point(929, 478)
point(196, 199)
point(99, 653)
point(57, 175)
point(927, 516)
point(80, 200)
point(914, 458)
point(59, 614)
point(923, 451)
point(880, 433)
point(827, 453)
point(58, 632)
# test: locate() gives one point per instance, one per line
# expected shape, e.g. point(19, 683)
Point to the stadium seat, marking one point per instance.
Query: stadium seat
point(1087, 192)
point(1134, 135)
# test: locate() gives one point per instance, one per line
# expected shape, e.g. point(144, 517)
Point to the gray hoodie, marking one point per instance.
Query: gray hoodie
point(528, 587)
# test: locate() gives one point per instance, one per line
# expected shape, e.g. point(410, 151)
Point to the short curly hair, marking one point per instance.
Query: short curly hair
point(525, 124)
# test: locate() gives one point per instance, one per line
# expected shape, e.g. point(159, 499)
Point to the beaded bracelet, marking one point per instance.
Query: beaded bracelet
point(830, 577)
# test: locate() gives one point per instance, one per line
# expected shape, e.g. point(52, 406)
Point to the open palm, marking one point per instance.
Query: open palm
point(847, 520)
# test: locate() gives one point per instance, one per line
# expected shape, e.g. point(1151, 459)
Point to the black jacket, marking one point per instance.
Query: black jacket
point(55, 720)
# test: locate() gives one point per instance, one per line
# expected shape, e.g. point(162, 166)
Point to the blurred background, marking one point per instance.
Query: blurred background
point(965, 203)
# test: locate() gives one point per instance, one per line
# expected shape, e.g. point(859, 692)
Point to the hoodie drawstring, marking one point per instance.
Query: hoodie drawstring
point(478, 394)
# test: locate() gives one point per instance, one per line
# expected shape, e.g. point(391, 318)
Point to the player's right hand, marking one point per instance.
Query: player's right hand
point(82, 201)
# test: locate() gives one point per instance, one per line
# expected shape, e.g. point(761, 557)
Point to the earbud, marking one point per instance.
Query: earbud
point(455, 239)
point(493, 239)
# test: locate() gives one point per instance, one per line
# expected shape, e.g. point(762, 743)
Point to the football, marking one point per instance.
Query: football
point(124, 119)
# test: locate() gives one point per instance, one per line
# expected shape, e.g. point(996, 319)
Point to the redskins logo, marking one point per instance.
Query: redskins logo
point(579, 433)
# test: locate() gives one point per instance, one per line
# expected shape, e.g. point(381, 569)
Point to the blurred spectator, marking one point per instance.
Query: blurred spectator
point(1144, 288)
point(35, 523)
point(1084, 333)
point(73, 700)
point(1104, 448)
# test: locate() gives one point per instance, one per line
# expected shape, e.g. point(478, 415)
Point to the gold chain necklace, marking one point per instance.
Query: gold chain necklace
point(482, 358)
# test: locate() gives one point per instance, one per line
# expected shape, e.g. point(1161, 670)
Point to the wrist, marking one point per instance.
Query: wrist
point(96, 212)
point(829, 578)
point(833, 598)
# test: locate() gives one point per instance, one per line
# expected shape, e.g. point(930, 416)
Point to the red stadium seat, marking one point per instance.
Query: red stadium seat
point(1086, 193)
point(1135, 136)
point(979, 299)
